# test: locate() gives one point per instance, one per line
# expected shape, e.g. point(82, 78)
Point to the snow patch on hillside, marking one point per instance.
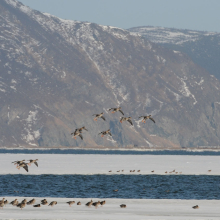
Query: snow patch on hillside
point(178, 97)
point(169, 35)
point(185, 90)
point(30, 135)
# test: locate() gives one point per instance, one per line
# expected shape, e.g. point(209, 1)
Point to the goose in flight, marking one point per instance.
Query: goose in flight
point(33, 161)
point(126, 119)
point(79, 130)
point(77, 133)
point(147, 117)
point(99, 116)
point(105, 133)
point(116, 110)
point(24, 165)
point(82, 128)
point(17, 162)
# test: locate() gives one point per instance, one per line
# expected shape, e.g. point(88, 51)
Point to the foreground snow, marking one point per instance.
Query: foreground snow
point(101, 164)
point(136, 209)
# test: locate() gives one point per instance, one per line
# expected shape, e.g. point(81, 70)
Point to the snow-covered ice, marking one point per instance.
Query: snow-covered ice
point(137, 209)
point(89, 164)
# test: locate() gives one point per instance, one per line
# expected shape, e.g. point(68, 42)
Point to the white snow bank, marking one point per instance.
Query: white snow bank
point(137, 209)
point(101, 164)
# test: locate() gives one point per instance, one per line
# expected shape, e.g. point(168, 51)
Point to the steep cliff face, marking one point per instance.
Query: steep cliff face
point(55, 74)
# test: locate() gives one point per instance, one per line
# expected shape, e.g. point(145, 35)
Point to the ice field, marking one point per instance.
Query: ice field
point(102, 164)
point(137, 209)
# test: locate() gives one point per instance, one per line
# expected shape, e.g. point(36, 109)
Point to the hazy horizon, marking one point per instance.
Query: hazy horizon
point(194, 15)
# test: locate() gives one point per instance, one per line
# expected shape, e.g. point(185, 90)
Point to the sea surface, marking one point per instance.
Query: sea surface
point(110, 152)
point(103, 186)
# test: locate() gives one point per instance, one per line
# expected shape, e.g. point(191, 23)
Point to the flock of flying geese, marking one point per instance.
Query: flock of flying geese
point(21, 163)
point(78, 131)
point(24, 202)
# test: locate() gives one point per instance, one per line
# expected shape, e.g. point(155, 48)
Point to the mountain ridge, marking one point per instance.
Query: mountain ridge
point(56, 74)
point(202, 47)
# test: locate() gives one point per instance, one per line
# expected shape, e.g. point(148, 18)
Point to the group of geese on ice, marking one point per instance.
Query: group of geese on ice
point(78, 131)
point(24, 202)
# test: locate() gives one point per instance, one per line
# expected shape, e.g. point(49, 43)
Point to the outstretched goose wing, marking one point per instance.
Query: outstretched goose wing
point(109, 133)
point(121, 112)
point(129, 120)
point(26, 167)
point(152, 119)
point(36, 163)
point(103, 118)
point(81, 136)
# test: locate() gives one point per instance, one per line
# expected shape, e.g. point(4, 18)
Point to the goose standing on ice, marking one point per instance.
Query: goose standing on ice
point(6, 202)
point(96, 204)
point(102, 203)
point(21, 205)
point(126, 119)
point(14, 202)
point(44, 202)
point(99, 116)
point(52, 203)
point(195, 207)
point(70, 203)
point(147, 117)
point(2, 203)
point(116, 110)
point(89, 203)
point(31, 202)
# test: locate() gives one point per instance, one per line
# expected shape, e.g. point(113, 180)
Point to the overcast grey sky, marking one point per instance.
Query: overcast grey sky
point(186, 14)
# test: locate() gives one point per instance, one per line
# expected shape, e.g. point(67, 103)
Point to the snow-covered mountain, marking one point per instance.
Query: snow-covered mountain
point(201, 46)
point(55, 74)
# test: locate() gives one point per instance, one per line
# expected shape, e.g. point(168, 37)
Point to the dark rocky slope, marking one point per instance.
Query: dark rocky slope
point(55, 74)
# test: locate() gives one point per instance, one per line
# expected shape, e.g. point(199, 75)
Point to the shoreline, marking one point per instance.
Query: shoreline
point(113, 149)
